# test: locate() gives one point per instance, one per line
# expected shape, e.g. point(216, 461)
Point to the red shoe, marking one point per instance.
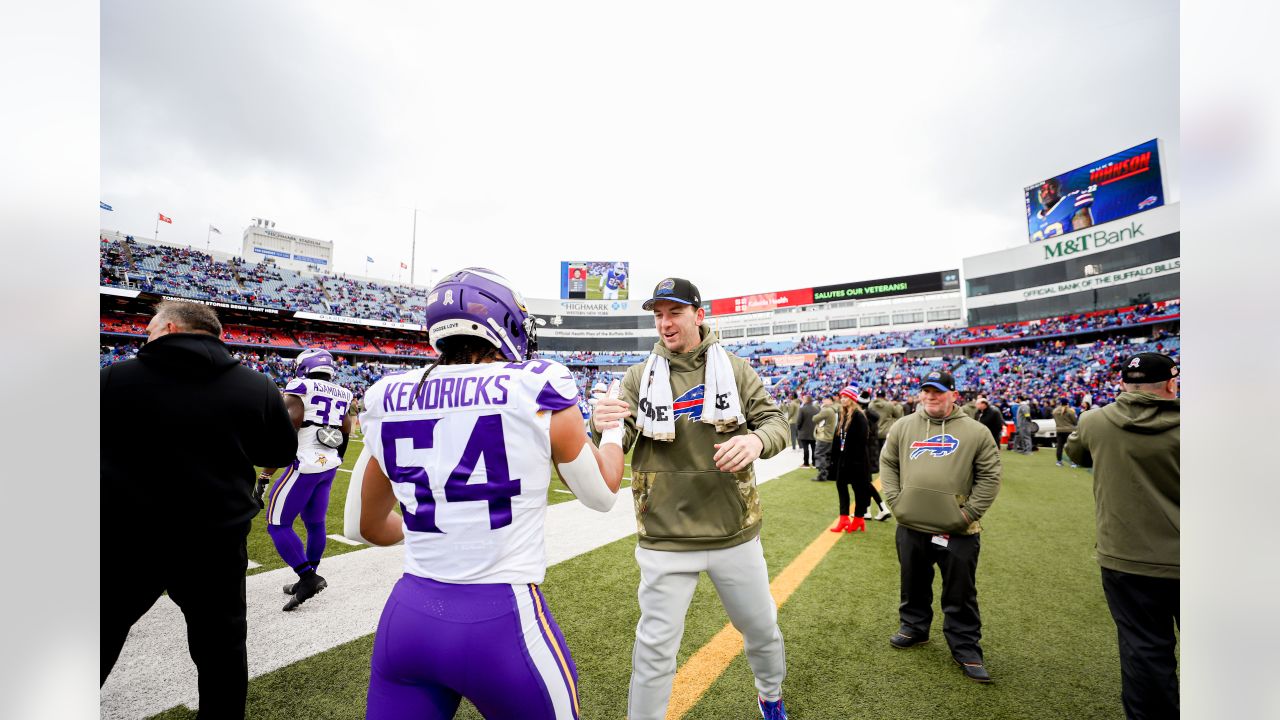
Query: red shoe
point(856, 525)
point(843, 524)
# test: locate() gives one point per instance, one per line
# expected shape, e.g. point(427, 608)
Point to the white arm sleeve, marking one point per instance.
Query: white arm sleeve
point(584, 479)
point(613, 435)
point(351, 511)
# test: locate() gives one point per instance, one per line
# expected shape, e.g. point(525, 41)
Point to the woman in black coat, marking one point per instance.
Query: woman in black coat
point(849, 462)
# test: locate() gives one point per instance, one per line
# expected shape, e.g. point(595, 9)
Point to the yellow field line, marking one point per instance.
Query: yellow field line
point(705, 666)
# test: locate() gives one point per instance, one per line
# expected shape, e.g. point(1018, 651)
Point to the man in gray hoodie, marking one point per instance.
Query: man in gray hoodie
point(1133, 447)
point(941, 471)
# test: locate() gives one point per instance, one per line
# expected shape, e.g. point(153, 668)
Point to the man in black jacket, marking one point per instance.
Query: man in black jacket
point(990, 416)
point(804, 429)
point(183, 425)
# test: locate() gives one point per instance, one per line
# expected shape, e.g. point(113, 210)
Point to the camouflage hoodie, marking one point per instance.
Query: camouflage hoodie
point(1133, 447)
point(682, 501)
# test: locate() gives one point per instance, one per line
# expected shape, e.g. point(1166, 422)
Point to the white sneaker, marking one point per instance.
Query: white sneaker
point(867, 515)
point(883, 514)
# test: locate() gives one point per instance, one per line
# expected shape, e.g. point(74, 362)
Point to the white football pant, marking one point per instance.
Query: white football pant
point(667, 582)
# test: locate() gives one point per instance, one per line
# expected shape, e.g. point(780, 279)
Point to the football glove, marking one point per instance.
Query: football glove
point(263, 480)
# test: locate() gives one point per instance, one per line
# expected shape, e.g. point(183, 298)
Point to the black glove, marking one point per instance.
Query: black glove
point(342, 449)
point(263, 480)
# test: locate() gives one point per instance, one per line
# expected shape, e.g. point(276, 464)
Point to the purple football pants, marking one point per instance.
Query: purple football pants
point(496, 645)
point(306, 494)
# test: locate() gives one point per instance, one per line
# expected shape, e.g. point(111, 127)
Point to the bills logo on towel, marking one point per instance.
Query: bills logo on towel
point(936, 446)
point(690, 403)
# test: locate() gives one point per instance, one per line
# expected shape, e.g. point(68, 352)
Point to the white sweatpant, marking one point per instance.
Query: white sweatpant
point(667, 582)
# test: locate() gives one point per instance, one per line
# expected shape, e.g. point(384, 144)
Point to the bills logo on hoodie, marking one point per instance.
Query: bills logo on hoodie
point(690, 403)
point(936, 446)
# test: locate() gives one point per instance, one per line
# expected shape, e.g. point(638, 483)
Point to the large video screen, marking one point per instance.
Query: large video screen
point(589, 280)
point(1125, 183)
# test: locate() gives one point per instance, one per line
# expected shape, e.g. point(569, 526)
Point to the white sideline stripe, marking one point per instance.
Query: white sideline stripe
point(566, 492)
point(155, 672)
point(253, 565)
point(343, 539)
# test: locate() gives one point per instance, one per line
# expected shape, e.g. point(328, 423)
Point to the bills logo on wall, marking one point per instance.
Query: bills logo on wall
point(936, 446)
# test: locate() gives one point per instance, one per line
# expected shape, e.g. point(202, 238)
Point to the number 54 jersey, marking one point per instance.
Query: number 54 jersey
point(324, 405)
point(468, 452)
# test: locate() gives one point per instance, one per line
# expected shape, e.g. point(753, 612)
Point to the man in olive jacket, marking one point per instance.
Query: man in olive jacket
point(940, 471)
point(1064, 423)
point(696, 504)
point(824, 431)
point(1133, 447)
point(791, 409)
point(889, 412)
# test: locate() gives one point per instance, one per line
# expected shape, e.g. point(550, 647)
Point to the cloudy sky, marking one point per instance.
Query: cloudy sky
point(750, 146)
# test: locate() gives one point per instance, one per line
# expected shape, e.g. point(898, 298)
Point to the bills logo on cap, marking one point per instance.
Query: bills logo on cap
point(935, 375)
point(666, 286)
point(690, 403)
point(936, 446)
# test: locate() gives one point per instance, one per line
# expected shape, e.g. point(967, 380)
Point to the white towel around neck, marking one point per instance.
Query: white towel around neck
point(721, 406)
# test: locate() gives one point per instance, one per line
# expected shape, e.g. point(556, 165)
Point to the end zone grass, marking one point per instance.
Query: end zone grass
point(1049, 640)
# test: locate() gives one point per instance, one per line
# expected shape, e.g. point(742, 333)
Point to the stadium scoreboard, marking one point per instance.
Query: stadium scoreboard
point(1117, 186)
point(595, 280)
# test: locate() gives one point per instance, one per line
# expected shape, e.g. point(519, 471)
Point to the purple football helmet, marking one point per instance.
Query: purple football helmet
point(315, 360)
point(481, 303)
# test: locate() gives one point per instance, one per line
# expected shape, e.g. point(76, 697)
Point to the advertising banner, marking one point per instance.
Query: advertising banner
point(762, 302)
point(888, 287)
point(1114, 187)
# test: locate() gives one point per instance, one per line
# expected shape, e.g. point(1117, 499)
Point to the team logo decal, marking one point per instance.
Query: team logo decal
point(1151, 200)
point(690, 403)
point(1135, 362)
point(666, 286)
point(936, 446)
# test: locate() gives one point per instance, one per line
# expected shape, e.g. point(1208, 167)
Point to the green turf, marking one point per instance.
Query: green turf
point(1049, 641)
point(263, 551)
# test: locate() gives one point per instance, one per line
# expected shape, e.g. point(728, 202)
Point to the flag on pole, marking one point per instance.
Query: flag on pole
point(103, 205)
point(165, 219)
point(368, 259)
point(213, 229)
point(403, 266)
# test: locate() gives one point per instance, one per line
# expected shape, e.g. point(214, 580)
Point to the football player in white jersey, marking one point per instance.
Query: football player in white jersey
point(465, 446)
point(318, 408)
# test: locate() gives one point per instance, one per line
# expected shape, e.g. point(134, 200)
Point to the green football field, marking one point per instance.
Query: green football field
point(595, 288)
point(1049, 641)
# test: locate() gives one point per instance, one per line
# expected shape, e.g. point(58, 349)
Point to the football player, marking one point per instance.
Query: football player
point(614, 281)
point(1060, 214)
point(318, 408)
point(465, 446)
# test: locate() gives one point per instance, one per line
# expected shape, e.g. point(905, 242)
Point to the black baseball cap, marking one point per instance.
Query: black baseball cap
point(676, 290)
point(940, 379)
point(1148, 368)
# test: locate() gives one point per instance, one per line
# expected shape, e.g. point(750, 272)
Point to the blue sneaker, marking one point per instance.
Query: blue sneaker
point(772, 710)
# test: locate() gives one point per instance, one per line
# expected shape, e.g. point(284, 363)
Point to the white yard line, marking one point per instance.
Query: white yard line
point(155, 672)
point(343, 539)
point(253, 565)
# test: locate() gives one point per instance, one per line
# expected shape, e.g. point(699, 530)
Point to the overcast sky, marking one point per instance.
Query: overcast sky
point(749, 146)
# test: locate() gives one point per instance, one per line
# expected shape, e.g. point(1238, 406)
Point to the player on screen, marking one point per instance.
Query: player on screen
point(615, 281)
point(465, 446)
point(1060, 214)
point(318, 408)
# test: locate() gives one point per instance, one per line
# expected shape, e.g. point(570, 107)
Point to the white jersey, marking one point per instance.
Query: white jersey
point(468, 452)
point(324, 403)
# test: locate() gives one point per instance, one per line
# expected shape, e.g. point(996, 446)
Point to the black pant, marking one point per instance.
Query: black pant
point(861, 496)
point(822, 459)
point(1060, 442)
point(204, 574)
point(876, 445)
point(807, 446)
point(795, 437)
point(1146, 611)
point(961, 624)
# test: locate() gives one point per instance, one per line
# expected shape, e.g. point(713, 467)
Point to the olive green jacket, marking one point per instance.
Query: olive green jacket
point(824, 424)
point(1133, 446)
point(682, 501)
point(940, 475)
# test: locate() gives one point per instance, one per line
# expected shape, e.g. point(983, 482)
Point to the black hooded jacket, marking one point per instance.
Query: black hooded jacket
point(183, 425)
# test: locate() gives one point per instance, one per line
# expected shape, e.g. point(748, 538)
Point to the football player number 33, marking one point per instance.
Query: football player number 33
point(486, 442)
